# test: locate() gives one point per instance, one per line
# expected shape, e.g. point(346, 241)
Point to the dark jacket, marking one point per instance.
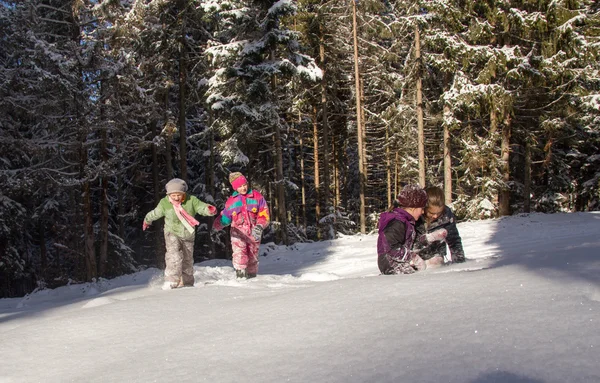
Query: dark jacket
point(445, 221)
point(396, 237)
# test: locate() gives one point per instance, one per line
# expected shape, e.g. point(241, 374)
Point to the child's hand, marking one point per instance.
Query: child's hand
point(212, 210)
point(257, 232)
point(145, 226)
point(436, 236)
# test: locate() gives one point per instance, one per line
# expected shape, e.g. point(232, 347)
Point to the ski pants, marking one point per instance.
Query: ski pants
point(245, 254)
point(179, 260)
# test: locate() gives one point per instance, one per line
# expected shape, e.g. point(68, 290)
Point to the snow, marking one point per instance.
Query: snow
point(523, 308)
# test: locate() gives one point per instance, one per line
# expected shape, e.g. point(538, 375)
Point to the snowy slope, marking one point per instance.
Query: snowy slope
point(524, 308)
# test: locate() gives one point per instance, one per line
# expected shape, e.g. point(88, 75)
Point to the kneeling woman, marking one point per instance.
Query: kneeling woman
point(397, 233)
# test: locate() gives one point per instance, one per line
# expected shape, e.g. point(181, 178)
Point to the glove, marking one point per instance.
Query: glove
point(257, 232)
point(145, 226)
point(212, 210)
point(436, 236)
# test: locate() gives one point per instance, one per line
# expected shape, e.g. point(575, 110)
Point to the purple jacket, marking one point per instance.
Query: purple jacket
point(383, 247)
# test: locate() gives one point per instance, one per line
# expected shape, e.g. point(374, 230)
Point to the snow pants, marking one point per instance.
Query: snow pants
point(245, 254)
point(179, 260)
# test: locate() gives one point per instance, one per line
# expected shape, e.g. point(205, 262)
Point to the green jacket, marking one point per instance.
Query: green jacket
point(172, 224)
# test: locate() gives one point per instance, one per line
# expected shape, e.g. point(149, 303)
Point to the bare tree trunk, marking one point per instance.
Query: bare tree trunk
point(182, 103)
point(103, 261)
point(388, 166)
point(325, 122)
point(336, 175)
point(282, 208)
point(316, 170)
point(155, 171)
point(89, 249)
point(420, 129)
point(359, 127)
point(43, 249)
point(447, 163)
point(158, 238)
point(504, 197)
point(210, 175)
point(282, 211)
point(302, 177)
point(103, 258)
point(363, 123)
point(493, 130)
point(396, 174)
point(527, 179)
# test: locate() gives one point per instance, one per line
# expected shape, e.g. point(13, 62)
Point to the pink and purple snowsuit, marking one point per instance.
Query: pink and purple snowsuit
point(243, 212)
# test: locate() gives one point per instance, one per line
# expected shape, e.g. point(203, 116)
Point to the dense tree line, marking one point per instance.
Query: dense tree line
point(326, 106)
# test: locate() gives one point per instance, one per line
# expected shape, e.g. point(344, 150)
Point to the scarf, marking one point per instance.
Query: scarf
point(186, 219)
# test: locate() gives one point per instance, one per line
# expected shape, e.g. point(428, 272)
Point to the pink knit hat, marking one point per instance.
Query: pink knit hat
point(237, 179)
point(412, 196)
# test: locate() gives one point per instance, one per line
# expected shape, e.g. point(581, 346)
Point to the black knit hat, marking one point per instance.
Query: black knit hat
point(412, 196)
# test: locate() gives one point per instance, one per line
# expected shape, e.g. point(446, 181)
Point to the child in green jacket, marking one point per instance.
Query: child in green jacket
point(178, 209)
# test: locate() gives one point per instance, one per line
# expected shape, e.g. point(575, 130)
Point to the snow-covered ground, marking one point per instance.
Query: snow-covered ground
point(524, 308)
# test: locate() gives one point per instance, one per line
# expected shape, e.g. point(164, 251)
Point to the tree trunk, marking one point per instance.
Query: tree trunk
point(103, 259)
point(396, 174)
point(182, 103)
point(88, 227)
point(89, 251)
point(282, 208)
point(325, 123)
point(158, 238)
point(169, 129)
point(316, 171)
point(359, 127)
point(336, 174)
point(43, 249)
point(282, 211)
point(302, 178)
point(363, 123)
point(388, 166)
point(447, 163)
point(493, 130)
point(210, 176)
point(504, 197)
point(527, 179)
point(420, 129)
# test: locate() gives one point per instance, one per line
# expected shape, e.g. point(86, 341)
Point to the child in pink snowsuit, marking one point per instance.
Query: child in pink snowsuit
point(248, 214)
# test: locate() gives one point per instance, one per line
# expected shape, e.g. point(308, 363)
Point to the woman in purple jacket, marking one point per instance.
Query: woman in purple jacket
point(397, 233)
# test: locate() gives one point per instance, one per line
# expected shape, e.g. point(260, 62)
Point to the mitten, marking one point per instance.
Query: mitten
point(145, 226)
point(436, 236)
point(257, 232)
point(212, 210)
point(217, 224)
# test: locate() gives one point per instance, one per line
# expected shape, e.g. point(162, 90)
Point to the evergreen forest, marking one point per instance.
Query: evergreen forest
point(327, 107)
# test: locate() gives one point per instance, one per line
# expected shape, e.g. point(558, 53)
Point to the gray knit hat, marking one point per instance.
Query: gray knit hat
point(412, 196)
point(176, 185)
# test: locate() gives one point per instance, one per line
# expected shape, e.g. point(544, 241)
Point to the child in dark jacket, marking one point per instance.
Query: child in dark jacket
point(178, 209)
point(438, 221)
point(248, 214)
point(397, 233)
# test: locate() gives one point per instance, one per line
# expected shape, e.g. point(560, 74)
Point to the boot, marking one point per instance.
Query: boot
point(241, 273)
point(251, 275)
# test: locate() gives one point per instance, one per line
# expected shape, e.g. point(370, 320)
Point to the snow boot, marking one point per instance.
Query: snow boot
point(169, 285)
point(251, 275)
point(241, 273)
